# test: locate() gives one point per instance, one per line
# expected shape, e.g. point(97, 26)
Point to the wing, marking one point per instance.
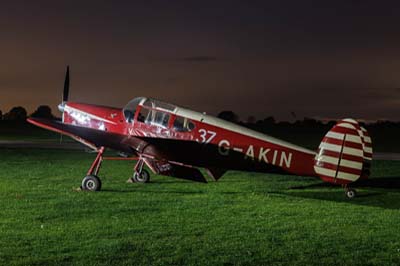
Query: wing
point(88, 136)
point(154, 153)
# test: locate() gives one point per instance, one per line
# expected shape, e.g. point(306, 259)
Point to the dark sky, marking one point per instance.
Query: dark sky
point(315, 58)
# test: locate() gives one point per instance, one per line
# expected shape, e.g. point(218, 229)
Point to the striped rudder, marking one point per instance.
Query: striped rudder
point(344, 154)
point(367, 147)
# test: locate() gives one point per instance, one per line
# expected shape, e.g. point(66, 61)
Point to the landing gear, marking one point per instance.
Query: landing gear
point(92, 182)
point(140, 175)
point(350, 192)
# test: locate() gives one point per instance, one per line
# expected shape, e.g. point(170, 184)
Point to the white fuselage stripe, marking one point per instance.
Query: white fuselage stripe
point(213, 121)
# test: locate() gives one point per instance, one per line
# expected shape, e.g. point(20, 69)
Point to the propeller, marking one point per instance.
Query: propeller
point(64, 97)
point(65, 92)
point(66, 86)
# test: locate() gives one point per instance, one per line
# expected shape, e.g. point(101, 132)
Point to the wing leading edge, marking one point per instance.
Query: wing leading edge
point(90, 137)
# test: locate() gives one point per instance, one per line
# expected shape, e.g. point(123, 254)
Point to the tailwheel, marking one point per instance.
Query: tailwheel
point(91, 183)
point(350, 193)
point(141, 177)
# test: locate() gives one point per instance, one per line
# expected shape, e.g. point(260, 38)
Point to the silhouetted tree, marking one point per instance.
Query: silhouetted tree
point(1, 115)
point(251, 119)
point(283, 123)
point(43, 111)
point(311, 122)
point(16, 113)
point(270, 120)
point(331, 123)
point(229, 116)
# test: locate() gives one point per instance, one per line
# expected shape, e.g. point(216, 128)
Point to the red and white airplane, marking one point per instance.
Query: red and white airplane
point(176, 141)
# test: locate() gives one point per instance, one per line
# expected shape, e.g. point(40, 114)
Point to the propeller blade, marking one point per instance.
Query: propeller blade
point(66, 86)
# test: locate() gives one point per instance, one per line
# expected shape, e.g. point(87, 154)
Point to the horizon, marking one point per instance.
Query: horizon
point(241, 119)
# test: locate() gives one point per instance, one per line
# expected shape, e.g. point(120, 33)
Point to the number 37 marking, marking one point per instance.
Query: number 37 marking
point(206, 136)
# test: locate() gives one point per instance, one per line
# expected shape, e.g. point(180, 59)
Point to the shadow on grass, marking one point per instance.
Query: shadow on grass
point(383, 192)
point(378, 182)
point(150, 191)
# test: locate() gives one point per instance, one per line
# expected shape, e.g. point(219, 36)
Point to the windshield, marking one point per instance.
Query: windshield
point(130, 109)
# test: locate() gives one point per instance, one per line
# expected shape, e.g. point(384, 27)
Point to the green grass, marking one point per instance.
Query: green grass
point(244, 219)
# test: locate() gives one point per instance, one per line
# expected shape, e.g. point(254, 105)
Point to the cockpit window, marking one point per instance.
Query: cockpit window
point(129, 115)
point(182, 124)
point(144, 115)
point(153, 117)
point(161, 119)
point(130, 109)
point(149, 111)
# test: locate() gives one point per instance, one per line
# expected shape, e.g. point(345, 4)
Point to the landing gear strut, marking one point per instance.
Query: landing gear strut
point(140, 175)
point(92, 182)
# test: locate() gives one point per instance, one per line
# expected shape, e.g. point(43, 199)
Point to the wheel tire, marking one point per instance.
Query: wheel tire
point(143, 177)
point(91, 183)
point(351, 193)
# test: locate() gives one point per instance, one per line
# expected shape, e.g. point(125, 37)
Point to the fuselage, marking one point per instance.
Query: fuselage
point(178, 134)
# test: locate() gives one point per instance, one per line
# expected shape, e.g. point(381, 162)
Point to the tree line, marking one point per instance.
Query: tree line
point(19, 113)
point(252, 122)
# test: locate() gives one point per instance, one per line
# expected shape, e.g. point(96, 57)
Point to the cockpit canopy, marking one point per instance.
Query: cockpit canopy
point(130, 109)
point(154, 112)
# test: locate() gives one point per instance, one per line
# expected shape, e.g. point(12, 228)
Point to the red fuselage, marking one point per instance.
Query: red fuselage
point(177, 134)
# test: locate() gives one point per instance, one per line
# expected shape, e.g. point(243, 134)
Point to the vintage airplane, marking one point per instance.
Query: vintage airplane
point(176, 141)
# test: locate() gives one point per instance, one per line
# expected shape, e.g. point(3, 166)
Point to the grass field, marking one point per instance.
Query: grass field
point(244, 219)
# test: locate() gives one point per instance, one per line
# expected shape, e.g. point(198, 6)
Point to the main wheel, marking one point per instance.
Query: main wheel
point(142, 177)
point(91, 183)
point(350, 193)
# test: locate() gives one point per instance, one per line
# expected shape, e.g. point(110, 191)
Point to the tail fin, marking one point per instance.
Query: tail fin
point(367, 147)
point(344, 154)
